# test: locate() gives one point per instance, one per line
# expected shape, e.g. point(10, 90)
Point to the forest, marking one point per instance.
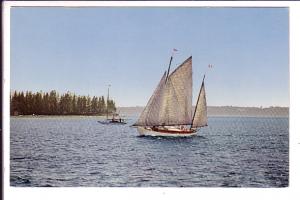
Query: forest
point(52, 103)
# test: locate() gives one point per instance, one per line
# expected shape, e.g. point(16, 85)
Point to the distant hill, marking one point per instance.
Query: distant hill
point(248, 111)
point(224, 111)
point(130, 111)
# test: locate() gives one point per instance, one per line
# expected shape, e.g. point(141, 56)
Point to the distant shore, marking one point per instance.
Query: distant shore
point(225, 111)
point(73, 116)
point(213, 111)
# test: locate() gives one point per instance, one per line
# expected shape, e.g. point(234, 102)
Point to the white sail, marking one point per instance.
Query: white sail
point(168, 115)
point(200, 115)
point(176, 107)
point(171, 102)
point(150, 115)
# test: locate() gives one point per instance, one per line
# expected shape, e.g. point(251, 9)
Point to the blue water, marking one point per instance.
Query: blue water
point(78, 151)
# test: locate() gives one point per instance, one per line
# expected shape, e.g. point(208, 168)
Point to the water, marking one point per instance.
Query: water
point(78, 151)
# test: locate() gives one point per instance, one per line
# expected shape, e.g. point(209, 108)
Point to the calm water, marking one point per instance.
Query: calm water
point(78, 151)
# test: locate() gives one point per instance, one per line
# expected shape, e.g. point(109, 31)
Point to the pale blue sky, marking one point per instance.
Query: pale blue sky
point(82, 50)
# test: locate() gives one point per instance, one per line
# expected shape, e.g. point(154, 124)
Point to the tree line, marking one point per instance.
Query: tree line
point(40, 103)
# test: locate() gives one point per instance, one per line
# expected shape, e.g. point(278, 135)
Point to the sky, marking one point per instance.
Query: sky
point(83, 50)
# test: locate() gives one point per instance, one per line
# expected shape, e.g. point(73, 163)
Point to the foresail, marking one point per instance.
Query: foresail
point(200, 115)
point(176, 107)
point(150, 115)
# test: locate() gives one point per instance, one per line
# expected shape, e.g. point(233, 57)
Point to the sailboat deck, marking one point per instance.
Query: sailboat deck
point(171, 130)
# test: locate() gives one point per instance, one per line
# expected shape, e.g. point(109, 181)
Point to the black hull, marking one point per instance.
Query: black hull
point(112, 122)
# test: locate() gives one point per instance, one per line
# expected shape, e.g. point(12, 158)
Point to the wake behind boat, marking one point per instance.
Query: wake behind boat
point(169, 111)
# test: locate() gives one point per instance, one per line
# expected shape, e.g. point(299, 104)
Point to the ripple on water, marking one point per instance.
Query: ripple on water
point(66, 151)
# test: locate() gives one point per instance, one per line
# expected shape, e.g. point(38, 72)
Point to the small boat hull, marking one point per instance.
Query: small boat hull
point(111, 122)
point(143, 131)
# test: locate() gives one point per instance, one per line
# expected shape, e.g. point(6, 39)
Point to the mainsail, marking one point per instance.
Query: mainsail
point(200, 114)
point(176, 107)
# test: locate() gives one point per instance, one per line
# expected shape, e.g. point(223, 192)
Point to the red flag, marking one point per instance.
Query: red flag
point(175, 50)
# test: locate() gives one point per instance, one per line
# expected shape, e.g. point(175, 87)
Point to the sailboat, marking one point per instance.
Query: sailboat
point(169, 111)
point(116, 118)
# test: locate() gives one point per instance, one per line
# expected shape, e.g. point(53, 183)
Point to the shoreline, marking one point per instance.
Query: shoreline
point(50, 116)
point(104, 116)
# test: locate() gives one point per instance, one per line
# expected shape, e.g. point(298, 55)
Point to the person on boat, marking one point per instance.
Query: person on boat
point(183, 128)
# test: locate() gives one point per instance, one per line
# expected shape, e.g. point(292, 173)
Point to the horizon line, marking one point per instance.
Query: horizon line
point(271, 106)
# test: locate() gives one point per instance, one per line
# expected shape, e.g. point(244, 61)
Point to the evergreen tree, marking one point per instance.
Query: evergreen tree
point(22, 104)
point(74, 107)
point(111, 106)
point(14, 106)
point(88, 105)
point(37, 103)
point(52, 104)
point(94, 106)
point(29, 103)
point(102, 105)
point(84, 107)
point(79, 105)
point(46, 104)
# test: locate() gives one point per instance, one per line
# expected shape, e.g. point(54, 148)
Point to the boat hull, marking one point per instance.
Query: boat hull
point(166, 132)
point(111, 122)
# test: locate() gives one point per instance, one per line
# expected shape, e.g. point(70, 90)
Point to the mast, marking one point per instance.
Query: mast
point(197, 102)
point(174, 50)
point(169, 67)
